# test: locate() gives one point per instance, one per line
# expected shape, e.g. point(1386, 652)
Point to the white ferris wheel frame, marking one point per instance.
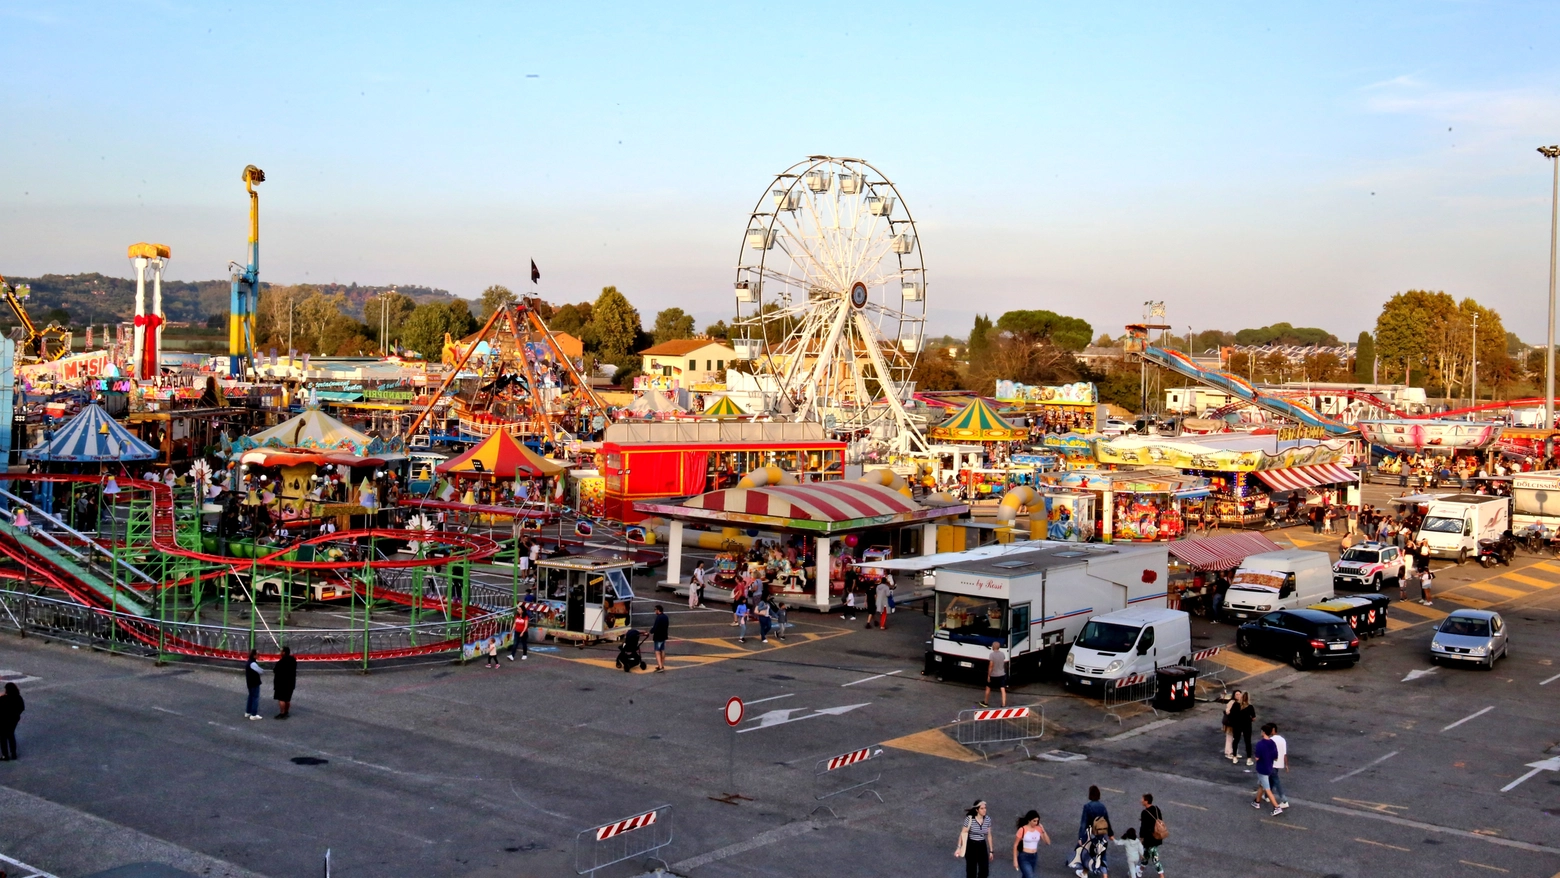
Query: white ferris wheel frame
point(830, 241)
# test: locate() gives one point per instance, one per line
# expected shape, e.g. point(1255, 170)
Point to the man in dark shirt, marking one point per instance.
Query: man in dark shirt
point(1147, 819)
point(1267, 756)
point(658, 629)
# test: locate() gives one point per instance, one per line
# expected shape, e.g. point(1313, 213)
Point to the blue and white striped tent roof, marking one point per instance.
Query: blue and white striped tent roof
point(84, 440)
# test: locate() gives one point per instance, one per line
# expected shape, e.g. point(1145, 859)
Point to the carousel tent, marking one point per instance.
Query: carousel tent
point(92, 437)
point(724, 408)
point(976, 422)
point(501, 457)
point(316, 431)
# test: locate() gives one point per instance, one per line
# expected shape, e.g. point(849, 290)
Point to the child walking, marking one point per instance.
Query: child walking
point(1132, 846)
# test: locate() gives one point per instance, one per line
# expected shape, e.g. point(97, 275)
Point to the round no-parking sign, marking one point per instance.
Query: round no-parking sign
point(734, 711)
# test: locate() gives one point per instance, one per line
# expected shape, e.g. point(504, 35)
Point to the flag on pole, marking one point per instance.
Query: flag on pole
point(536, 273)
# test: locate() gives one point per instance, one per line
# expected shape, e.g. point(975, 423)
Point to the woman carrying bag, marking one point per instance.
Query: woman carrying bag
point(975, 842)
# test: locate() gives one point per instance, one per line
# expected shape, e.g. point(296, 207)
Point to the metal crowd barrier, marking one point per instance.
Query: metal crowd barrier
point(632, 837)
point(1131, 689)
point(844, 774)
point(988, 727)
point(1210, 675)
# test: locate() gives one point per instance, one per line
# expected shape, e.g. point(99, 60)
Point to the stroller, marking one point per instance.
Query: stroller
point(628, 652)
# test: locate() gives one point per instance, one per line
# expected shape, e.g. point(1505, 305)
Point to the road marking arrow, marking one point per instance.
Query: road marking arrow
point(1550, 764)
point(1417, 673)
point(781, 717)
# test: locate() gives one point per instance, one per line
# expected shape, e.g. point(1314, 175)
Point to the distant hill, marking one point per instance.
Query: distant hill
point(96, 298)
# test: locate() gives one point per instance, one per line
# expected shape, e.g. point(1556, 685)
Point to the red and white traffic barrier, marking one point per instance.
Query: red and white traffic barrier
point(1001, 713)
point(1131, 680)
point(845, 759)
point(1206, 654)
point(622, 826)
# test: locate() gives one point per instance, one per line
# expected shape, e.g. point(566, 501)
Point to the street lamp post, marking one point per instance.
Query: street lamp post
point(1553, 154)
point(1473, 397)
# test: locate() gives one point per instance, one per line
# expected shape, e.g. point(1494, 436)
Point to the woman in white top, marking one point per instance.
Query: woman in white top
point(1026, 844)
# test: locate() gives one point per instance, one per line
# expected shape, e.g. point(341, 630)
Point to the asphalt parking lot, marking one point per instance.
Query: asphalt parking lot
point(1398, 768)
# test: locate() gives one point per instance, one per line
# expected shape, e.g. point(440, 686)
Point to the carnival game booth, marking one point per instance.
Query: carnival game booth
point(670, 460)
point(313, 466)
point(1073, 449)
point(842, 519)
point(500, 461)
point(583, 598)
point(1243, 470)
point(1137, 505)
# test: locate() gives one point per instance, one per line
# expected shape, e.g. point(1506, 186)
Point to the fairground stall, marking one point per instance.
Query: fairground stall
point(976, 423)
point(1073, 449)
point(1245, 470)
point(829, 526)
point(583, 598)
point(1200, 568)
point(1055, 409)
point(1146, 504)
point(669, 460)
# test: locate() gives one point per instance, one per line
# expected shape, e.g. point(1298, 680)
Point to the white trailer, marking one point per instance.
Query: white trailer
point(1033, 602)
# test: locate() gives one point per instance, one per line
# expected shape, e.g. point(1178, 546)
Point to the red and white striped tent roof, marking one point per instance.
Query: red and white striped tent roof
point(829, 507)
point(1296, 477)
point(1223, 552)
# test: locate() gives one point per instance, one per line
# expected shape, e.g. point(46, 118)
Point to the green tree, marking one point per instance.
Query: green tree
point(1283, 333)
point(494, 298)
point(1035, 327)
point(935, 370)
point(980, 340)
point(1365, 358)
point(1411, 323)
point(427, 327)
point(719, 330)
point(571, 319)
point(672, 323)
point(614, 325)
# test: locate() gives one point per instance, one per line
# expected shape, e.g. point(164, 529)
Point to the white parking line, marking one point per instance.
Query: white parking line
point(1365, 766)
point(1550, 680)
point(870, 679)
point(27, 871)
point(1470, 716)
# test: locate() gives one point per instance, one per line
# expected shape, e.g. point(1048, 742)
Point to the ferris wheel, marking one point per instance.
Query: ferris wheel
point(831, 296)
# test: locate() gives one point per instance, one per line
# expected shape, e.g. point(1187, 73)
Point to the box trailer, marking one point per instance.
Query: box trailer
point(1034, 602)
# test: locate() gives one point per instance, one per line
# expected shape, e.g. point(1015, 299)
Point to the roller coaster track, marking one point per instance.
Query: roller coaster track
point(128, 605)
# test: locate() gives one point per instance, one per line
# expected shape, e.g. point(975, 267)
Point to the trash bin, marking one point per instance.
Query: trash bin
point(1176, 689)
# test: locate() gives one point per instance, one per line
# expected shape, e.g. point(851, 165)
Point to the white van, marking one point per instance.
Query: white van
point(1455, 524)
point(1130, 641)
point(1281, 580)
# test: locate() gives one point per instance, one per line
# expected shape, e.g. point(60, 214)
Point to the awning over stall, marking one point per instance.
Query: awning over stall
point(1223, 552)
point(1298, 477)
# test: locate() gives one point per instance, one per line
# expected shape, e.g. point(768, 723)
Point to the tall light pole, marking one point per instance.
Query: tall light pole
point(1553, 154)
point(1473, 399)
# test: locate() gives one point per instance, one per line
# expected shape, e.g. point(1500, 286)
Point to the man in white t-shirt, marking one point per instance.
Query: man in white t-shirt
point(996, 674)
point(1280, 765)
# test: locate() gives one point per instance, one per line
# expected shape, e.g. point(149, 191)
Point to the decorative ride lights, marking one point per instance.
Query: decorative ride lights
point(831, 297)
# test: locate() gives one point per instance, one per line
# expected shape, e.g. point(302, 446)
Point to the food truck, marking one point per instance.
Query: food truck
point(584, 598)
point(1033, 603)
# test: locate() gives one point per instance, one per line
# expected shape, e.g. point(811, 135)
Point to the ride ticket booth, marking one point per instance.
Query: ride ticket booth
point(591, 591)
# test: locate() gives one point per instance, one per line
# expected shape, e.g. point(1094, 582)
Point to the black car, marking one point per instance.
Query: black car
point(1304, 638)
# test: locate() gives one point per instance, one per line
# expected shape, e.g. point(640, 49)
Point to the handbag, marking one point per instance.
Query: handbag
point(964, 835)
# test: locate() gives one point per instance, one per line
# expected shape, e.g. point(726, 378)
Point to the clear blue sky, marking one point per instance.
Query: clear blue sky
point(1246, 163)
